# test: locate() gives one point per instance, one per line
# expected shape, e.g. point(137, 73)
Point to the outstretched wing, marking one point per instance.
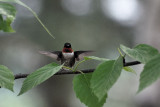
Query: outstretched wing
point(80, 54)
point(55, 54)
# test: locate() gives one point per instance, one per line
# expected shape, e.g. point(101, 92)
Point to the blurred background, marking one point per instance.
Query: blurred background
point(100, 25)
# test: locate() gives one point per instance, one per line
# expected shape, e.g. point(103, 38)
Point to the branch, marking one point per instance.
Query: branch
point(63, 72)
point(131, 63)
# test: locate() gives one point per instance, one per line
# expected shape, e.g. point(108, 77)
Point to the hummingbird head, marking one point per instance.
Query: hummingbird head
point(67, 45)
point(67, 48)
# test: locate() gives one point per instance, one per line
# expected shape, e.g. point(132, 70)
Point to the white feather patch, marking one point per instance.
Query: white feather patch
point(68, 55)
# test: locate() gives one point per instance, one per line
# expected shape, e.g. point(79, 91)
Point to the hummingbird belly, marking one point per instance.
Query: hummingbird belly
point(69, 62)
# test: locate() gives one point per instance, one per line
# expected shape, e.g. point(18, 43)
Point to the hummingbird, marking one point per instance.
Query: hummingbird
point(67, 56)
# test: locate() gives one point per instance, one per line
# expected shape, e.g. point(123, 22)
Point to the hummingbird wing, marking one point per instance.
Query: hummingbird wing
point(55, 54)
point(80, 54)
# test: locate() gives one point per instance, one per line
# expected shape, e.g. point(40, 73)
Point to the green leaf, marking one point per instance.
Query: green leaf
point(129, 69)
point(151, 73)
point(39, 76)
point(7, 16)
point(105, 75)
point(142, 52)
point(81, 84)
point(6, 78)
point(35, 15)
point(95, 58)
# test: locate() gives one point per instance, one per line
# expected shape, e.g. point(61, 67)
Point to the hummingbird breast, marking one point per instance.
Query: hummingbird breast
point(68, 59)
point(68, 55)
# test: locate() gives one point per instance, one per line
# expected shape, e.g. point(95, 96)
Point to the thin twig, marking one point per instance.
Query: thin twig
point(63, 72)
point(132, 63)
point(129, 63)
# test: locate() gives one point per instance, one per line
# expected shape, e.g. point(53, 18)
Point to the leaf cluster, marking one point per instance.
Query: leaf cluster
point(92, 88)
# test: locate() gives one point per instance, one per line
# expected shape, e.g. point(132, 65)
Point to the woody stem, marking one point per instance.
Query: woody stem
point(63, 72)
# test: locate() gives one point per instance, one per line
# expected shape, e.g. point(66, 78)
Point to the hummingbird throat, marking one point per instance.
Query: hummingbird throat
point(67, 50)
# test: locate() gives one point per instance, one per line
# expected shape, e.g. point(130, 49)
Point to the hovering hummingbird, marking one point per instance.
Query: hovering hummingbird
point(67, 56)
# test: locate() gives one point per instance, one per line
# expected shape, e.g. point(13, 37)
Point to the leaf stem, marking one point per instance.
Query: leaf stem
point(21, 3)
point(120, 52)
point(78, 65)
point(68, 68)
